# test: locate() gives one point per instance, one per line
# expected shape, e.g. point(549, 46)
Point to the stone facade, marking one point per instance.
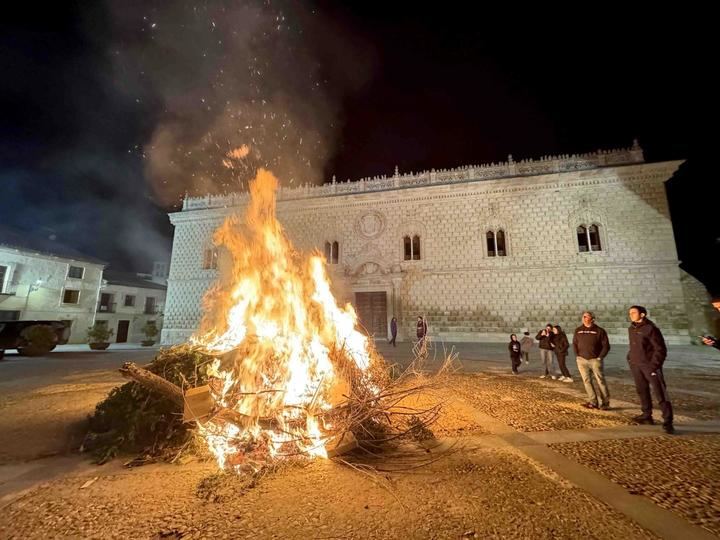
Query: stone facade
point(136, 315)
point(34, 286)
point(466, 293)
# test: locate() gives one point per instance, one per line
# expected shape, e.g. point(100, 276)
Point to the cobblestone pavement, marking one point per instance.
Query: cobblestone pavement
point(528, 405)
point(704, 406)
point(681, 474)
point(692, 372)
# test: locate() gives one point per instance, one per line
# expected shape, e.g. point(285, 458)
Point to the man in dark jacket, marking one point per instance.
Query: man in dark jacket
point(561, 346)
point(421, 332)
point(393, 331)
point(545, 337)
point(421, 328)
point(646, 357)
point(591, 345)
point(710, 340)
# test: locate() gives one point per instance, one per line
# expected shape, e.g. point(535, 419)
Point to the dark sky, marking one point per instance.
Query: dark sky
point(113, 110)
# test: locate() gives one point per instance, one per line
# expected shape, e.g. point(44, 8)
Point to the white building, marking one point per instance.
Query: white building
point(41, 279)
point(481, 250)
point(127, 302)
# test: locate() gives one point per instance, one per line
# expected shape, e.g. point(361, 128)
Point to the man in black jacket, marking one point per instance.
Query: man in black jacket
point(709, 340)
point(646, 357)
point(591, 345)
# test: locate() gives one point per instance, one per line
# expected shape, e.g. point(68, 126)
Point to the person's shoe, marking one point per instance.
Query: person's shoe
point(553, 377)
point(642, 419)
point(543, 376)
point(568, 379)
point(589, 405)
point(605, 406)
point(669, 429)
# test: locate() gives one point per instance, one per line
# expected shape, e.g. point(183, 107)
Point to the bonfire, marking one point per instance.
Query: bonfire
point(291, 374)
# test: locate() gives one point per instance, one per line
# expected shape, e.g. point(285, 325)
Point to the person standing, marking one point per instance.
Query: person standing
point(545, 337)
point(421, 332)
point(561, 347)
point(711, 341)
point(591, 346)
point(515, 353)
point(421, 329)
point(393, 331)
point(526, 345)
point(646, 357)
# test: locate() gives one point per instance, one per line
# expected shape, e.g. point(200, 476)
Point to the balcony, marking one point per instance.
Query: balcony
point(151, 310)
point(107, 308)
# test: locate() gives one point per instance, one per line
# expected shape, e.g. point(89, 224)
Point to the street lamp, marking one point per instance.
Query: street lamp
point(34, 287)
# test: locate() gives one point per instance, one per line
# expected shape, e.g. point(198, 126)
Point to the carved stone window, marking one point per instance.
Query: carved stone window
point(332, 252)
point(210, 259)
point(411, 247)
point(588, 238)
point(496, 245)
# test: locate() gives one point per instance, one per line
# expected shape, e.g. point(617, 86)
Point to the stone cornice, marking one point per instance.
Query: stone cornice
point(467, 173)
point(645, 172)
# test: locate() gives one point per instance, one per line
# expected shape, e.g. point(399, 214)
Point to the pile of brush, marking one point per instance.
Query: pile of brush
point(168, 402)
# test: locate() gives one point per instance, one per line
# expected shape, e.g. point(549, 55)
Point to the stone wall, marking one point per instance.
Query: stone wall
point(465, 293)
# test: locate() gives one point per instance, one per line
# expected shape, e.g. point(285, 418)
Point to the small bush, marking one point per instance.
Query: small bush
point(99, 333)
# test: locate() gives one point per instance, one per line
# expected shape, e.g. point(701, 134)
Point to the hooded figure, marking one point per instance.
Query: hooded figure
point(561, 346)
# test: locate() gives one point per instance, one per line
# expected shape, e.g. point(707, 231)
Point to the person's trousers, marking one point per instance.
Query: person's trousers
point(516, 360)
point(591, 371)
point(546, 357)
point(526, 356)
point(394, 337)
point(561, 363)
point(646, 378)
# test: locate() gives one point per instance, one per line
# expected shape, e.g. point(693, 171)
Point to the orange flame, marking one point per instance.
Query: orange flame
point(274, 319)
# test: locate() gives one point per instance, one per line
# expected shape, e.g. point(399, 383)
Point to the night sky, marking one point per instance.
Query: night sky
point(112, 111)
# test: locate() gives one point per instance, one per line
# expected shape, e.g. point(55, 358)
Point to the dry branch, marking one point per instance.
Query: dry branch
point(153, 382)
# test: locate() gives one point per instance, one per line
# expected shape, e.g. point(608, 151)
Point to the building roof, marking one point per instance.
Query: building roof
point(24, 241)
point(128, 279)
point(506, 170)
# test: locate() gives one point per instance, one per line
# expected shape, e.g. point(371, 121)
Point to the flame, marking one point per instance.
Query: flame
point(273, 321)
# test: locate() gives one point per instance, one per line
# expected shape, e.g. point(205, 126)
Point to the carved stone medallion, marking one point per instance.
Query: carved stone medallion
point(370, 224)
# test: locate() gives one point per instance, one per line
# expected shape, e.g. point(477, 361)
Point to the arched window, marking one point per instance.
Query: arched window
point(500, 243)
point(594, 234)
point(210, 258)
point(589, 238)
point(582, 237)
point(332, 252)
point(490, 243)
point(496, 243)
point(411, 248)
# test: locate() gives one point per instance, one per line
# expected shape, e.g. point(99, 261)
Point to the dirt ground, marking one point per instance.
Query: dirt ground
point(49, 420)
point(477, 489)
point(476, 493)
